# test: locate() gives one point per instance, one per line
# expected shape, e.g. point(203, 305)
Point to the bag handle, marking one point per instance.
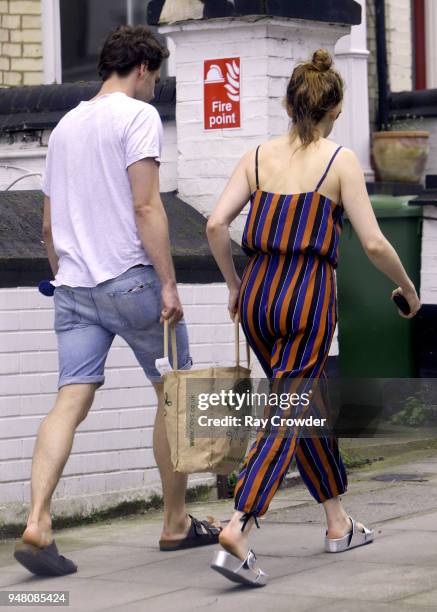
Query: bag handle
point(174, 344)
point(237, 343)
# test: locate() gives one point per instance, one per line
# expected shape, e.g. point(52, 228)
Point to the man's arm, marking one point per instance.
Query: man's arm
point(152, 225)
point(48, 238)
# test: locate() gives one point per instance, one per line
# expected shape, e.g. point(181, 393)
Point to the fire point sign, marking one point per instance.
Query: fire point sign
point(222, 93)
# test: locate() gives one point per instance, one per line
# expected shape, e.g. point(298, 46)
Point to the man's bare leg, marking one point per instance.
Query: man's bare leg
point(174, 484)
point(52, 449)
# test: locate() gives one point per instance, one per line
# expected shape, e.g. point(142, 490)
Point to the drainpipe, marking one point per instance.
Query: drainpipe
point(382, 65)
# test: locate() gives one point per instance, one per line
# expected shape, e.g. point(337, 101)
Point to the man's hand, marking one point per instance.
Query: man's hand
point(171, 304)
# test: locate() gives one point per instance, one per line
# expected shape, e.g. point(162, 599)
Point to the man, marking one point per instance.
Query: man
point(106, 235)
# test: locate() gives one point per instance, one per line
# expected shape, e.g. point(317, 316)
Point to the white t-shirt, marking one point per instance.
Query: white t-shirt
point(92, 215)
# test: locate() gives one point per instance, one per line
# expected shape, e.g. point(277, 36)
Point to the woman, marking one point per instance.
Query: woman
point(286, 300)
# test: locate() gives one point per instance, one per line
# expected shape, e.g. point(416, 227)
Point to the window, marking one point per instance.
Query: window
point(84, 27)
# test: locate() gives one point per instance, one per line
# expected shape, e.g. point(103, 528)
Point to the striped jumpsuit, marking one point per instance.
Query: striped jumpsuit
point(288, 311)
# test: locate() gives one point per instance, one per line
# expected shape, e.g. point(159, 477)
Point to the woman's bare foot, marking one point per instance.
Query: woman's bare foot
point(340, 528)
point(338, 521)
point(233, 539)
point(38, 533)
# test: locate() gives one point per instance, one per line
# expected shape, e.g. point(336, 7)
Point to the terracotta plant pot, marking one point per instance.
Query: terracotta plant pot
point(400, 156)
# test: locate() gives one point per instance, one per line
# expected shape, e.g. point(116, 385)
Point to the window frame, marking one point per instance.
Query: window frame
point(52, 44)
point(51, 35)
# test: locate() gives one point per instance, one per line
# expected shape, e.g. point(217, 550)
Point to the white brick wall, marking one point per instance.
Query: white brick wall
point(399, 44)
point(112, 456)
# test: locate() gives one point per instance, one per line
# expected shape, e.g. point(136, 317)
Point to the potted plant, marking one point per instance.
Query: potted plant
point(400, 153)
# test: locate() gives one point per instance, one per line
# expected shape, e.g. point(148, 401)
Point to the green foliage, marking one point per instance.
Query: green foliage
point(413, 413)
point(353, 459)
point(409, 123)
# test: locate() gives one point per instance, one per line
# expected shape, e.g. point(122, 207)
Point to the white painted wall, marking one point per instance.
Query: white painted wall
point(112, 458)
point(399, 44)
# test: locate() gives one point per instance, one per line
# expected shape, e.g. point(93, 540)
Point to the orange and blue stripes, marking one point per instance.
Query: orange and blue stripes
point(290, 224)
point(288, 311)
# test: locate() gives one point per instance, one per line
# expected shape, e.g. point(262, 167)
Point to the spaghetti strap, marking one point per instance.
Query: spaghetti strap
point(328, 167)
point(256, 167)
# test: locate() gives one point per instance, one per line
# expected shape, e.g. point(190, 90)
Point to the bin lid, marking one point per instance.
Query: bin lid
point(394, 206)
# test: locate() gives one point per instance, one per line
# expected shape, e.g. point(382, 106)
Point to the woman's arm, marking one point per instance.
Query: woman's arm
point(233, 199)
point(362, 217)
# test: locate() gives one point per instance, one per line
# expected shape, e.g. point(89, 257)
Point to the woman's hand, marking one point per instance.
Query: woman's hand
point(234, 293)
point(412, 298)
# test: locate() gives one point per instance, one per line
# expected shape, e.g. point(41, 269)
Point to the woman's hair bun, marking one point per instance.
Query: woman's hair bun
point(322, 60)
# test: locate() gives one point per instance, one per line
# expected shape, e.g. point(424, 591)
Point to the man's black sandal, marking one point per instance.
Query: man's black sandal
point(201, 533)
point(44, 561)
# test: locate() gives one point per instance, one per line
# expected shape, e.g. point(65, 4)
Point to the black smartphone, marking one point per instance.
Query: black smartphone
point(401, 303)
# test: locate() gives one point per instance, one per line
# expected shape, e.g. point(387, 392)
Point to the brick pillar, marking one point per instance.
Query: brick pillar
point(20, 39)
point(268, 48)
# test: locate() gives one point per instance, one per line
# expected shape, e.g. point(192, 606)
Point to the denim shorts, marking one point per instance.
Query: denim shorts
point(88, 318)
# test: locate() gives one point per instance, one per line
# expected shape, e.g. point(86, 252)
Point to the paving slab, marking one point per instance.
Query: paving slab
point(235, 598)
point(420, 601)
point(397, 548)
point(357, 580)
point(122, 569)
point(92, 594)
point(352, 605)
point(190, 570)
point(393, 501)
point(426, 522)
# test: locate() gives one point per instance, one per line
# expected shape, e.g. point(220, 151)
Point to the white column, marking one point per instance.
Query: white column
point(51, 34)
point(352, 127)
point(431, 43)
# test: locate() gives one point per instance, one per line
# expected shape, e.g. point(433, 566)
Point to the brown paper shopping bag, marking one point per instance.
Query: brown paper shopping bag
point(212, 450)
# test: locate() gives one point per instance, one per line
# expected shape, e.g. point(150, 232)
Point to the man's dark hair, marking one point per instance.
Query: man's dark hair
point(127, 47)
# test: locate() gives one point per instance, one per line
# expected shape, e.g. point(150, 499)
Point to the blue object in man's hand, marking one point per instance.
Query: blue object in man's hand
point(46, 288)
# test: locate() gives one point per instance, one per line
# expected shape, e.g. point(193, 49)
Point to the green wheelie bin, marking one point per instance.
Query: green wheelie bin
point(374, 341)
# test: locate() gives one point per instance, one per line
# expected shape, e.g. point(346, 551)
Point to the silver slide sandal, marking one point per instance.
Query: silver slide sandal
point(354, 538)
point(236, 570)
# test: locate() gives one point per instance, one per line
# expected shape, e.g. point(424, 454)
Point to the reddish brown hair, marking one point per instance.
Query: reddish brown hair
point(313, 90)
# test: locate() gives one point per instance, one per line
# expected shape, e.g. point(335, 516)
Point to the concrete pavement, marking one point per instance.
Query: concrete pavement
point(121, 568)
